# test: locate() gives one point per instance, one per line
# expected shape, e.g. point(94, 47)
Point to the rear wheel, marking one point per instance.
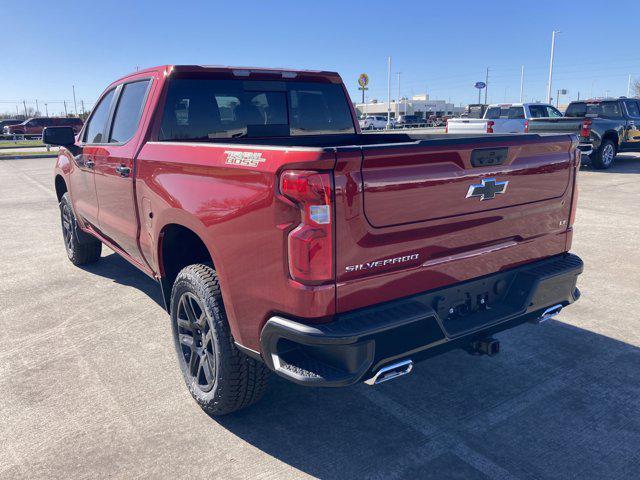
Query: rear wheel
point(603, 157)
point(218, 375)
point(82, 249)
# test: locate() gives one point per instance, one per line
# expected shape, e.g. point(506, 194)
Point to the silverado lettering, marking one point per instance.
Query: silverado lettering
point(381, 263)
point(269, 269)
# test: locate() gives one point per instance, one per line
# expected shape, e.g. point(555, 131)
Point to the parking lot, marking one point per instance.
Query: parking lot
point(89, 385)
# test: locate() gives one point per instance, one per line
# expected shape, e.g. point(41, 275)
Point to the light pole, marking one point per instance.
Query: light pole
point(388, 92)
point(486, 86)
point(522, 84)
point(553, 48)
point(46, 108)
point(75, 106)
point(398, 100)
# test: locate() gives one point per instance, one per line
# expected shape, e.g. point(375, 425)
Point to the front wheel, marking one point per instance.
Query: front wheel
point(220, 377)
point(603, 157)
point(82, 249)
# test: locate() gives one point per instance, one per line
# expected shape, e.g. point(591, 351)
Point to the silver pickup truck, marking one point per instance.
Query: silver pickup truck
point(503, 118)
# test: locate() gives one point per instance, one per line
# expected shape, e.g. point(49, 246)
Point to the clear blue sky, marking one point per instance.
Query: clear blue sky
point(443, 46)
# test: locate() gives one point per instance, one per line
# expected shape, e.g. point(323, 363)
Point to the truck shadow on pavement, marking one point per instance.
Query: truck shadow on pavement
point(116, 268)
point(623, 163)
point(558, 402)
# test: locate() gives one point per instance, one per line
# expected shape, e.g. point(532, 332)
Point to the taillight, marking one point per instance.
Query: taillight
point(585, 131)
point(310, 244)
point(490, 125)
point(526, 126)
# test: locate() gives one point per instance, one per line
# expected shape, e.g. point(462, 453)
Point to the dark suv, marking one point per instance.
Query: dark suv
point(34, 126)
point(605, 127)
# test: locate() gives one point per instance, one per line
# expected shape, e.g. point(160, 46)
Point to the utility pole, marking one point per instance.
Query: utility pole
point(65, 108)
point(629, 87)
point(553, 48)
point(37, 107)
point(398, 100)
point(486, 86)
point(46, 108)
point(75, 106)
point(388, 92)
point(17, 111)
point(24, 104)
point(82, 104)
point(522, 84)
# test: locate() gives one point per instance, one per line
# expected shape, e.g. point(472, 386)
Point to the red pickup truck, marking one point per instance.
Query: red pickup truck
point(35, 126)
point(284, 239)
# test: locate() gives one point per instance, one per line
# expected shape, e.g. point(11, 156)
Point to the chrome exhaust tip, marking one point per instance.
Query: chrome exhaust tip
point(548, 314)
point(390, 372)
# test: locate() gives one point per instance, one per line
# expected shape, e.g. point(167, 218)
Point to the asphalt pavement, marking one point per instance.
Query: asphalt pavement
point(90, 387)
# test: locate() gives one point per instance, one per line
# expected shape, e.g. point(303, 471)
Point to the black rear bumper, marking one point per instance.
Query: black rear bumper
point(358, 343)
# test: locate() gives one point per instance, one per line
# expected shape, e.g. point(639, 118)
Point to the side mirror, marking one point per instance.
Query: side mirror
point(62, 136)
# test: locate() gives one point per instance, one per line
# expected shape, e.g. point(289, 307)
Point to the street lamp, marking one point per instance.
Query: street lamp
point(553, 48)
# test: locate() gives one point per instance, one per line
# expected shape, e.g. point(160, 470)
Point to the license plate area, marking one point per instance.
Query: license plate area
point(477, 304)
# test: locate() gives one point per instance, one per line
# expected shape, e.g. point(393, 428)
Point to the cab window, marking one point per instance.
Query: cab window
point(98, 120)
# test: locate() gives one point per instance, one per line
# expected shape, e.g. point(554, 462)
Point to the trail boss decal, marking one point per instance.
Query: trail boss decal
point(382, 263)
point(244, 159)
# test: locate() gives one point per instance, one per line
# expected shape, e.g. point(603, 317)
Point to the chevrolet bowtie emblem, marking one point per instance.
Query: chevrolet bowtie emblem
point(488, 189)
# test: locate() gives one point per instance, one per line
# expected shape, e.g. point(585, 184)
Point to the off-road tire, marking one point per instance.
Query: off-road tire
point(82, 248)
point(237, 379)
point(601, 159)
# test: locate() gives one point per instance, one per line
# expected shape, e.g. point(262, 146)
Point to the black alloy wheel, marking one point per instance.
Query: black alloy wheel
point(196, 342)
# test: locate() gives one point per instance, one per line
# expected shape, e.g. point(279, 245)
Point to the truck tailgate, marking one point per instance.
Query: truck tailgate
point(555, 125)
point(467, 126)
point(430, 214)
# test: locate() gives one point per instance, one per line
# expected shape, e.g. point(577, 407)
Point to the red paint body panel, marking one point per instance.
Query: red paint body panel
point(389, 201)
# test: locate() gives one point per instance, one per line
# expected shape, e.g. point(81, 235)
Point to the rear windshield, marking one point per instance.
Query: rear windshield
point(203, 109)
point(600, 109)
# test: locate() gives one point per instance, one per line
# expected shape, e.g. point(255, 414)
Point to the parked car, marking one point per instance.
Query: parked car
point(9, 121)
point(410, 121)
point(375, 122)
point(34, 126)
point(504, 118)
point(285, 240)
point(605, 127)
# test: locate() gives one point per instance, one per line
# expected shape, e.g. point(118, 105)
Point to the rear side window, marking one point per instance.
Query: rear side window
point(207, 109)
point(128, 111)
point(632, 108)
point(98, 120)
point(543, 111)
point(599, 109)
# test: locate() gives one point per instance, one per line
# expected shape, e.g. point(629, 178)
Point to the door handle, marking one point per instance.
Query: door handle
point(123, 171)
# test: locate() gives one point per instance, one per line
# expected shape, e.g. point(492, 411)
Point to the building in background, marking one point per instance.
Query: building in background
point(420, 105)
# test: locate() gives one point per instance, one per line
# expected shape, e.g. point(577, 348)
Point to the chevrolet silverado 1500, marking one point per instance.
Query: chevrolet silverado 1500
point(285, 240)
point(605, 127)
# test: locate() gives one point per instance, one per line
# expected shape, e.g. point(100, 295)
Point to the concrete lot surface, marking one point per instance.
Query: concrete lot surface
point(90, 388)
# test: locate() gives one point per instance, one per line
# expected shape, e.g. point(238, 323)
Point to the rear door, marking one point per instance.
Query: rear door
point(114, 168)
point(632, 135)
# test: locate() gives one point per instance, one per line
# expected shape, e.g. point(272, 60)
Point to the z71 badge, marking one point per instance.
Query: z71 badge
point(244, 159)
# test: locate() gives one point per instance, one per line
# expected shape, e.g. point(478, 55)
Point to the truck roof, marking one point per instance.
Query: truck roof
point(240, 72)
point(516, 104)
